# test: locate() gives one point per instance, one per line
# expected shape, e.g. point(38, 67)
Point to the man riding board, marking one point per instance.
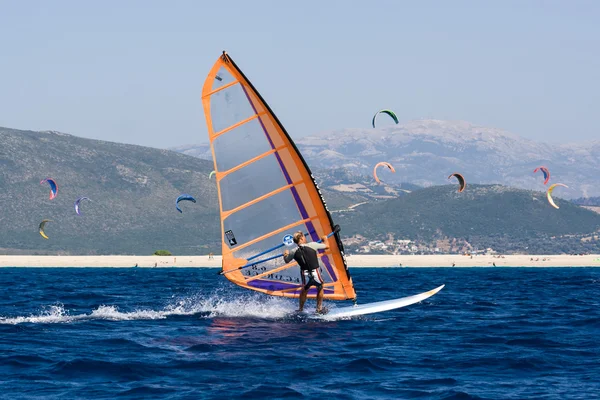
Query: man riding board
point(307, 258)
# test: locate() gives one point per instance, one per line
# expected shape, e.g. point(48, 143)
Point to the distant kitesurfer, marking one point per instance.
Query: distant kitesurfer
point(307, 258)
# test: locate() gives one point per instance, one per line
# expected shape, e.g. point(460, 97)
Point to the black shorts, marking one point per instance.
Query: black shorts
point(312, 278)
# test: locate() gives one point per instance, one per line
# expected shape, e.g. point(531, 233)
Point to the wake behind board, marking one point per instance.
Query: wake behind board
point(379, 306)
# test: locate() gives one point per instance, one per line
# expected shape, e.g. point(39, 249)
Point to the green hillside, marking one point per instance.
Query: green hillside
point(496, 216)
point(132, 188)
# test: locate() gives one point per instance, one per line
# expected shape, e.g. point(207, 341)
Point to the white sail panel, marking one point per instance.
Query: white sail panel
point(239, 187)
point(239, 145)
point(229, 106)
point(223, 77)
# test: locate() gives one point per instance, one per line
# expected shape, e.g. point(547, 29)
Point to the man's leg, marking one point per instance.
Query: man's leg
point(320, 298)
point(303, 295)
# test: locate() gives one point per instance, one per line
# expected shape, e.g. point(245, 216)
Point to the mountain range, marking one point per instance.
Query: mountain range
point(425, 152)
point(133, 191)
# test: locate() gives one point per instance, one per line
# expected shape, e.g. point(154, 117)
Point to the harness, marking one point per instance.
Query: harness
point(306, 258)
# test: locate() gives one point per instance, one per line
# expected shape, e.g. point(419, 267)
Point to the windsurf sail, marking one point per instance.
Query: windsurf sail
point(266, 192)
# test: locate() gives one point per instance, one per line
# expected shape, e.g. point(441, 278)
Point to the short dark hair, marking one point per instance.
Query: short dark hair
point(297, 236)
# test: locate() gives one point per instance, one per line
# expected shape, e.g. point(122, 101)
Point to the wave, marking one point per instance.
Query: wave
point(249, 306)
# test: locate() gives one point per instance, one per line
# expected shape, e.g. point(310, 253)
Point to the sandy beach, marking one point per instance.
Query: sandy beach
point(446, 260)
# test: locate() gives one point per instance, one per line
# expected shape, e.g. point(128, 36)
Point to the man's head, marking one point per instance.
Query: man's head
point(299, 237)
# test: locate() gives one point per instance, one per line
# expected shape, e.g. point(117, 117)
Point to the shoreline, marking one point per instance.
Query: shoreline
point(354, 261)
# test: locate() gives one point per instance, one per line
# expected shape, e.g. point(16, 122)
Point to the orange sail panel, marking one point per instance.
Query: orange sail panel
point(266, 192)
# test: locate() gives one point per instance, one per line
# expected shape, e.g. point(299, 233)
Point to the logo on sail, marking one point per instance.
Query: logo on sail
point(230, 238)
point(288, 240)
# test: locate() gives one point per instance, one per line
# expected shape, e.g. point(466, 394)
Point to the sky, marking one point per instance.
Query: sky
point(132, 71)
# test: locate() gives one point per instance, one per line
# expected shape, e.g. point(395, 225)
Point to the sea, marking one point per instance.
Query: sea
point(187, 333)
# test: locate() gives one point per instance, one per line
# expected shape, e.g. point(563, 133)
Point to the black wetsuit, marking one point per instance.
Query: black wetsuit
point(309, 265)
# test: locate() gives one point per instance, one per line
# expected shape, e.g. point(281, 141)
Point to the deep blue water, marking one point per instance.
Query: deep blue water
point(491, 333)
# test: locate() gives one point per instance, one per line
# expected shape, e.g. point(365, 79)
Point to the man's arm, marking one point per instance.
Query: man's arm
point(318, 246)
point(288, 255)
point(325, 241)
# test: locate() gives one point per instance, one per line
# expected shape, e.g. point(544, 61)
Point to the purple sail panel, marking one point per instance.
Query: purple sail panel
point(271, 285)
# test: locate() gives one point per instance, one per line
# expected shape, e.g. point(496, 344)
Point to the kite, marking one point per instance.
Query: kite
point(53, 187)
point(382, 164)
point(181, 198)
point(546, 173)
point(549, 193)
point(388, 112)
point(77, 204)
point(461, 181)
point(42, 224)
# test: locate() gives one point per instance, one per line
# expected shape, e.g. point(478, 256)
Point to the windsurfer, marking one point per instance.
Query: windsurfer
point(306, 257)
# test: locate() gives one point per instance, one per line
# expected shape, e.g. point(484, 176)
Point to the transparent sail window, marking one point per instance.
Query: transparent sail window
point(222, 78)
point(240, 145)
point(229, 106)
point(263, 217)
point(251, 182)
point(290, 274)
point(268, 243)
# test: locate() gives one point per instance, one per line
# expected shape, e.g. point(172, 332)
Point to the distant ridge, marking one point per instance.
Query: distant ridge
point(133, 191)
point(485, 216)
point(424, 152)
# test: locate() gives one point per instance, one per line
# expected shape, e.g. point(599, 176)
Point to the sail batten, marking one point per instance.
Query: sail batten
point(257, 158)
point(256, 116)
point(223, 87)
point(256, 200)
point(266, 191)
point(291, 227)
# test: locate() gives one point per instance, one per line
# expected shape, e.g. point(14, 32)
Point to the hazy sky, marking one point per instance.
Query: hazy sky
point(132, 71)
